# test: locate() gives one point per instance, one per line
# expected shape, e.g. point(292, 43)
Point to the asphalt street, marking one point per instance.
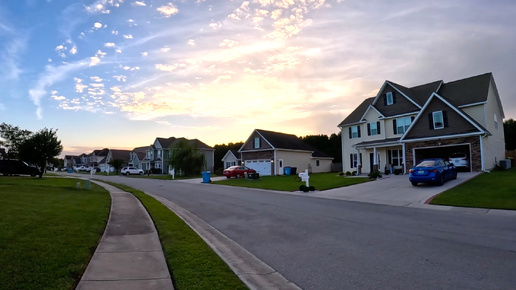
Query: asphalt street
point(321, 243)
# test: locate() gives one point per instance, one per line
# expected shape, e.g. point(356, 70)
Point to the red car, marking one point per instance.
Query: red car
point(237, 171)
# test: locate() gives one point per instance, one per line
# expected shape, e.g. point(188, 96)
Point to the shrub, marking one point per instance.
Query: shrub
point(156, 171)
point(303, 188)
point(341, 173)
point(375, 174)
point(354, 173)
point(311, 188)
point(348, 173)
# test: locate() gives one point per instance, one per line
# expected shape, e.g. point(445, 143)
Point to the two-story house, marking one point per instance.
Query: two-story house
point(400, 126)
point(158, 154)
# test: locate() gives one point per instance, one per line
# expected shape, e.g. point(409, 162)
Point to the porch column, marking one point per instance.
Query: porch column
point(375, 160)
point(404, 156)
point(359, 163)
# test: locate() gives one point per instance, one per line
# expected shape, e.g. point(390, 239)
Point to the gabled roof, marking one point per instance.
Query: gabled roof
point(460, 93)
point(120, 154)
point(171, 141)
point(478, 129)
point(286, 141)
point(235, 154)
point(358, 113)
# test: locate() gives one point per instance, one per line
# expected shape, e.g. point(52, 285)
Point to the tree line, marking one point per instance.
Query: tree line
point(38, 148)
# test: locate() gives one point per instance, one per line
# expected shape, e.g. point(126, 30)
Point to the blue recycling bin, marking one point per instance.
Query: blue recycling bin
point(286, 170)
point(206, 176)
point(70, 170)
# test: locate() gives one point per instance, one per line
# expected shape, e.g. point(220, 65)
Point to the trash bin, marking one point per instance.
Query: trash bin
point(293, 170)
point(286, 170)
point(87, 184)
point(70, 170)
point(206, 176)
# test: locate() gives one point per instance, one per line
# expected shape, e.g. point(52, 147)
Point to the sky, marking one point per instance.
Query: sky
point(119, 73)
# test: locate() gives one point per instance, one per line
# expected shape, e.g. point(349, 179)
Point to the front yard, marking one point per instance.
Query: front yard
point(321, 181)
point(49, 230)
point(496, 190)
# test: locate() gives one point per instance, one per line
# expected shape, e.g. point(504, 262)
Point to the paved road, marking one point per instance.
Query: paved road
point(320, 243)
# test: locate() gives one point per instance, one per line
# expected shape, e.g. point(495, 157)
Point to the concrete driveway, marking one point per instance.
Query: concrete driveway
point(391, 190)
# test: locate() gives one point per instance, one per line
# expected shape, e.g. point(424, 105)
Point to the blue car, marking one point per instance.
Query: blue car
point(434, 170)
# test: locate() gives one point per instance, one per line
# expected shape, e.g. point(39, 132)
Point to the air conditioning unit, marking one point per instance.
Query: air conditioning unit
point(506, 164)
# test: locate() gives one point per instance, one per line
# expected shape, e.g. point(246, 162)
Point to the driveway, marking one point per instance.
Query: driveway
point(389, 190)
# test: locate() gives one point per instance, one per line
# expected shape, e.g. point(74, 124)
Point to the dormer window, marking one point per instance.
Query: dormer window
point(389, 98)
point(257, 142)
point(438, 120)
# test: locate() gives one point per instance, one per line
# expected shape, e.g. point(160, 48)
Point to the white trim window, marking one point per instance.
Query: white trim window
point(354, 132)
point(256, 142)
point(401, 125)
point(438, 119)
point(389, 98)
point(373, 128)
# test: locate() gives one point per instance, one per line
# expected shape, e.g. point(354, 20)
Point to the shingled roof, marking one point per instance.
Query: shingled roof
point(289, 141)
point(462, 92)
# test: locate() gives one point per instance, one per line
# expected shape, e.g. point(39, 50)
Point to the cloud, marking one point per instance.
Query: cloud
point(168, 10)
point(128, 36)
point(139, 3)
point(97, 25)
point(50, 76)
point(109, 44)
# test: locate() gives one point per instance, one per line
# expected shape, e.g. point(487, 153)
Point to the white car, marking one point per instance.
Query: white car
point(460, 160)
point(128, 170)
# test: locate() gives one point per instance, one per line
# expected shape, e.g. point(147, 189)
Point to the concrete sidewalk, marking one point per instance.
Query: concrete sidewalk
point(129, 255)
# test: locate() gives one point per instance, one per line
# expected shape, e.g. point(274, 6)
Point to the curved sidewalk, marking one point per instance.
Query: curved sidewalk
point(129, 255)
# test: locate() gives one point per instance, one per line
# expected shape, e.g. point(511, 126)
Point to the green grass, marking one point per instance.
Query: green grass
point(193, 264)
point(321, 181)
point(489, 190)
point(49, 230)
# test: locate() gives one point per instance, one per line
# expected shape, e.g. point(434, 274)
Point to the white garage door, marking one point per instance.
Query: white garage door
point(261, 166)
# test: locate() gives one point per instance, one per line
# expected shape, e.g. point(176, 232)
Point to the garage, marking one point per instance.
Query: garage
point(442, 152)
point(263, 167)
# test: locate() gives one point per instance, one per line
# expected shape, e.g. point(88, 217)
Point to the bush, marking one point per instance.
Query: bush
point(311, 188)
point(156, 171)
point(341, 173)
point(219, 171)
point(303, 188)
point(354, 173)
point(375, 174)
point(348, 173)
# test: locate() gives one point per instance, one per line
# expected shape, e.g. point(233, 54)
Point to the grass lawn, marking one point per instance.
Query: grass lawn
point(49, 230)
point(321, 181)
point(193, 264)
point(488, 190)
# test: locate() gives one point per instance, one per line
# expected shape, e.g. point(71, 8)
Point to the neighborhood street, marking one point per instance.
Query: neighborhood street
point(326, 243)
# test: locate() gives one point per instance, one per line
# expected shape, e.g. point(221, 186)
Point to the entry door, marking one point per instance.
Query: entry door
point(280, 166)
point(371, 161)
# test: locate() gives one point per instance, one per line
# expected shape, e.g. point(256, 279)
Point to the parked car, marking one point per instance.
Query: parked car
point(460, 160)
point(10, 167)
point(128, 170)
point(434, 170)
point(237, 171)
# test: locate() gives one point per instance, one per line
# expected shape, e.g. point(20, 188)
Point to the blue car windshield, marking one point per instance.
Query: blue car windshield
point(426, 163)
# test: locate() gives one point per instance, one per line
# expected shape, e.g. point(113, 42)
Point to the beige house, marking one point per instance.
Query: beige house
point(399, 126)
point(270, 152)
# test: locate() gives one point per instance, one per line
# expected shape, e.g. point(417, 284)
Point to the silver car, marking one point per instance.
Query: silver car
point(460, 160)
point(128, 170)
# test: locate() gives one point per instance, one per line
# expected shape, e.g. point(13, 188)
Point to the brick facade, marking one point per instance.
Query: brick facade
point(476, 163)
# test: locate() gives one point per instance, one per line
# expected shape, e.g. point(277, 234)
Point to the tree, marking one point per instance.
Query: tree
point(12, 137)
point(221, 150)
point(509, 129)
point(117, 164)
point(329, 145)
point(186, 159)
point(40, 148)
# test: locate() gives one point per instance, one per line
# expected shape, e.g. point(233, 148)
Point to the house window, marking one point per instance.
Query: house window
point(496, 122)
point(257, 142)
point(316, 162)
point(159, 153)
point(373, 128)
point(438, 120)
point(353, 160)
point(401, 125)
point(389, 98)
point(354, 132)
point(395, 157)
